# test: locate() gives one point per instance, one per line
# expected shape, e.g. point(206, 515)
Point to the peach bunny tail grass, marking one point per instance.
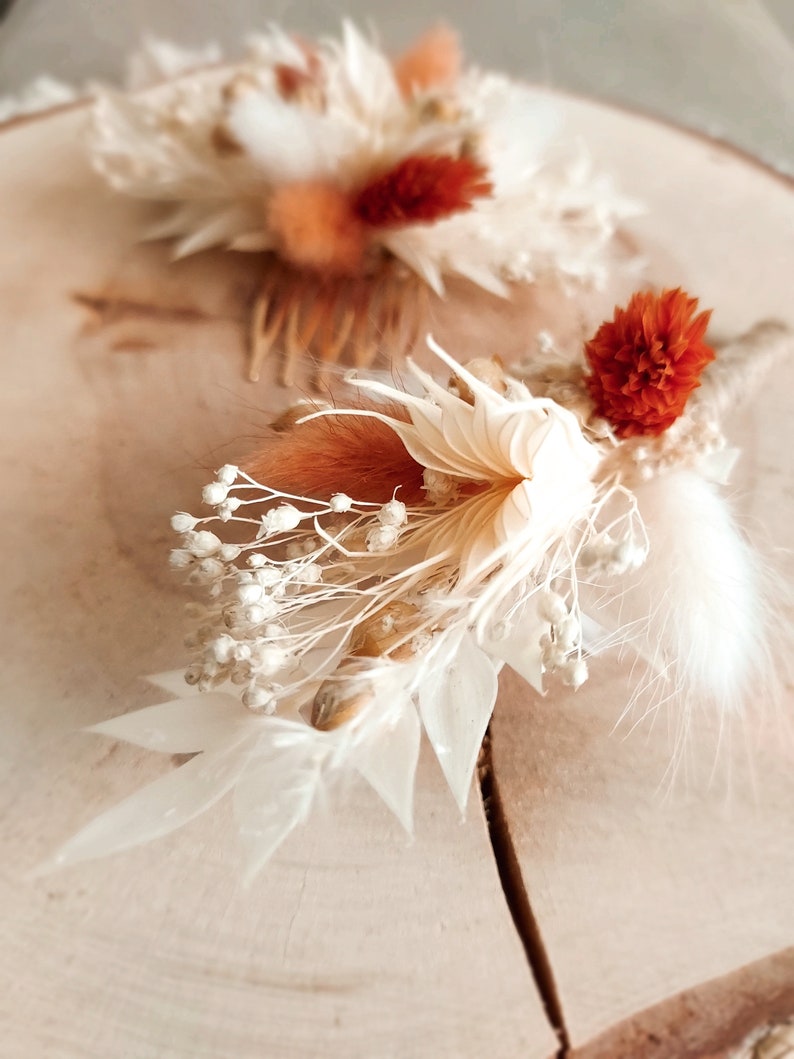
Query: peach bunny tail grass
point(357, 455)
point(317, 228)
point(434, 60)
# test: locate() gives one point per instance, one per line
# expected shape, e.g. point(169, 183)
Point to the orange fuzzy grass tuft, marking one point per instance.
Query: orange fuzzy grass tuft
point(422, 189)
point(434, 60)
point(357, 455)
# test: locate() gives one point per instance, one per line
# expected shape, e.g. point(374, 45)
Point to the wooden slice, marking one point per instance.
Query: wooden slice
point(123, 381)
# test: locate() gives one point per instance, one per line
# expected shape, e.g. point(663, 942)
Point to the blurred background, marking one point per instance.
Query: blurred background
point(724, 67)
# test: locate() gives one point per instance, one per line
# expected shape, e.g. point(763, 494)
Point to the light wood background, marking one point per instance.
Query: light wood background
point(658, 923)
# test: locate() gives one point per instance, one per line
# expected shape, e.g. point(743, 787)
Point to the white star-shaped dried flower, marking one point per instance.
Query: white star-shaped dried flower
point(364, 179)
point(375, 618)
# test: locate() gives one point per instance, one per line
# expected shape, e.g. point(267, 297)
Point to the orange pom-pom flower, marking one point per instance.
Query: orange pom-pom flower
point(647, 360)
point(316, 227)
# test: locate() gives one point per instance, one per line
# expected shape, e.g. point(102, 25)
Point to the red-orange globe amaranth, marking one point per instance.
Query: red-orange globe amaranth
point(646, 362)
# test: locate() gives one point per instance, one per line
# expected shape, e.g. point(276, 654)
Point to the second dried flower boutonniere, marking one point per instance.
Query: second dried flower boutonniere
point(366, 575)
point(365, 181)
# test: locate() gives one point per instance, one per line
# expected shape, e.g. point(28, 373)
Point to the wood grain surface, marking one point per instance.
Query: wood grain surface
point(122, 382)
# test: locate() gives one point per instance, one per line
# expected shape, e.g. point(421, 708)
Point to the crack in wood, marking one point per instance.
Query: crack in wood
point(516, 896)
point(107, 307)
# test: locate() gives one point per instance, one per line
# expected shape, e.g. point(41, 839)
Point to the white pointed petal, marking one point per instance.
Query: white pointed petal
point(276, 792)
point(456, 702)
point(388, 759)
point(159, 808)
point(172, 681)
point(182, 726)
point(369, 73)
point(521, 649)
point(288, 143)
point(481, 276)
point(214, 230)
point(408, 246)
point(596, 638)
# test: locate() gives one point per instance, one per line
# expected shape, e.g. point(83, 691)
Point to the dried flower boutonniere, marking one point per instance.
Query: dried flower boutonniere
point(365, 181)
point(367, 574)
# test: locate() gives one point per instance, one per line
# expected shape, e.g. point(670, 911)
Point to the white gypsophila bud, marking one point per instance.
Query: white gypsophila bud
point(214, 493)
point(182, 522)
point(551, 607)
point(285, 518)
point(311, 574)
point(227, 475)
point(393, 514)
point(202, 543)
point(259, 612)
point(270, 659)
point(553, 657)
point(229, 552)
point(193, 674)
point(273, 631)
point(381, 538)
point(340, 502)
point(256, 559)
point(294, 550)
point(567, 632)
point(211, 569)
point(222, 648)
point(180, 558)
point(267, 576)
point(241, 652)
point(439, 486)
point(258, 699)
point(575, 673)
point(249, 593)
point(232, 503)
point(224, 512)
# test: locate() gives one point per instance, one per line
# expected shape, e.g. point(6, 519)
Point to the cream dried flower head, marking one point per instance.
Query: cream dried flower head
point(370, 571)
point(365, 180)
point(420, 544)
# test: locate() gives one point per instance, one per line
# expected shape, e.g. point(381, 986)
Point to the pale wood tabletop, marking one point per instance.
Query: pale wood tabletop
point(589, 912)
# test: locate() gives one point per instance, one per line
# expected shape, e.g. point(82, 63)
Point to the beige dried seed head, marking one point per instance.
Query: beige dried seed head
point(342, 696)
point(387, 633)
